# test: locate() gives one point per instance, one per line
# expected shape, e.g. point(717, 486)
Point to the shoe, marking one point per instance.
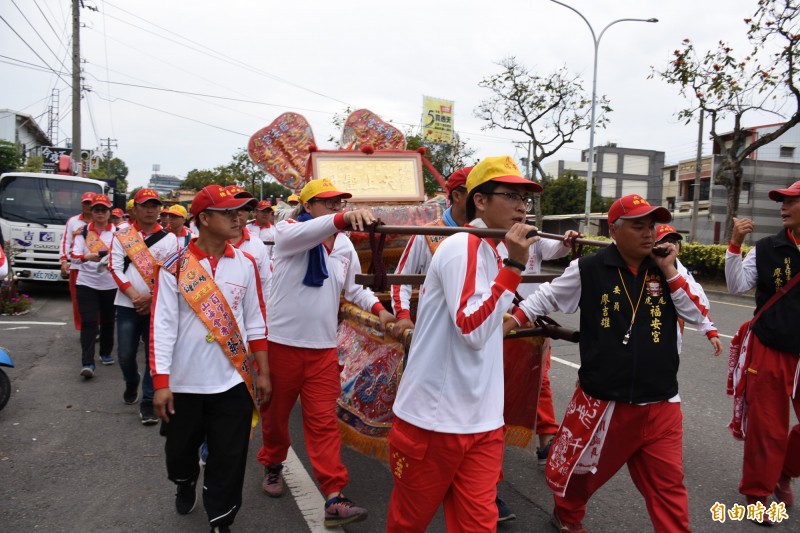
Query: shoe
point(340, 511)
point(131, 394)
point(107, 360)
point(567, 527)
point(543, 453)
point(147, 415)
point(203, 454)
point(504, 514)
point(186, 498)
point(273, 481)
point(87, 371)
point(765, 521)
point(220, 529)
point(783, 491)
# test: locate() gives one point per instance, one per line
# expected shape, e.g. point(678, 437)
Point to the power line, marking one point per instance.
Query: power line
point(38, 34)
point(34, 51)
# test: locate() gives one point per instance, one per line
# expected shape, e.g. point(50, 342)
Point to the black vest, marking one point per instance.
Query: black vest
point(646, 368)
point(777, 261)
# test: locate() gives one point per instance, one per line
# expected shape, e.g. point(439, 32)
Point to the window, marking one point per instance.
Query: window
point(673, 174)
point(787, 152)
point(744, 195)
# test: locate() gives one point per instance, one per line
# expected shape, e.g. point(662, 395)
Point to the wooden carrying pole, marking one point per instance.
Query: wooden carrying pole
point(480, 232)
point(419, 279)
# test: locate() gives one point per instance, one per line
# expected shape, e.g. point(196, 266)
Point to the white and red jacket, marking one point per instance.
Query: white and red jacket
point(264, 234)
point(180, 356)
point(307, 317)
point(74, 225)
point(125, 278)
point(258, 250)
point(453, 382)
point(87, 271)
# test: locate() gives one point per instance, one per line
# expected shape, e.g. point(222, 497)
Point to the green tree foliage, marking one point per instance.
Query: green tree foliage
point(723, 86)
point(566, 194)
point(197, 179)
point(10, 157)
point(108, 170)
point(35, 163)
point(445, 158)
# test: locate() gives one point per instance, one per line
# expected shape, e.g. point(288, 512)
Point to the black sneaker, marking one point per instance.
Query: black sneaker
point(147, 415)
point(131, 394)
point(504, 514)
point(186, 498)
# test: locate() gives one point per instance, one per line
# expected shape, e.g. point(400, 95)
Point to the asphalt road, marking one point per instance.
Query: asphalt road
point(73, 457)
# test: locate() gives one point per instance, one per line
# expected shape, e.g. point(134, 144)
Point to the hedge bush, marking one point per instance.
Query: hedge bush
point(704, 260)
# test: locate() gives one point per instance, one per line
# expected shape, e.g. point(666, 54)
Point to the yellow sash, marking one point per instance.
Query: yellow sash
point(205, 299)
point(139, 254)
point(93, 242)
point(435, 240)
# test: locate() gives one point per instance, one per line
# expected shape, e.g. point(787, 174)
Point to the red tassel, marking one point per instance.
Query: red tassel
point(422, 150)
point(368, 149)
point(312, 148)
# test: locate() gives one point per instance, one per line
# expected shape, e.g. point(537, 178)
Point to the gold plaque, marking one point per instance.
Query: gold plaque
point(377, 177)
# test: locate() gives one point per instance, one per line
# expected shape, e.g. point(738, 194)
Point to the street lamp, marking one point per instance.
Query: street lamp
point(596, 40)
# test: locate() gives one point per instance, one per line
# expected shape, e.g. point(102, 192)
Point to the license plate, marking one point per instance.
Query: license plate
point(44, 275)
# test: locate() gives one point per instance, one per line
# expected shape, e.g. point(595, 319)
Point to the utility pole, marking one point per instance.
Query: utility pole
point(76, 87)
point(697, 168)
point(107, 144)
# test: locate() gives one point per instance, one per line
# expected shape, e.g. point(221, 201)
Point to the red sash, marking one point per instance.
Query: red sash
point(93, 242)
point(577, 445)
point(435, 240)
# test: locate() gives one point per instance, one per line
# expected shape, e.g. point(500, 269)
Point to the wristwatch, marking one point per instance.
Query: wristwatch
point(514, 264)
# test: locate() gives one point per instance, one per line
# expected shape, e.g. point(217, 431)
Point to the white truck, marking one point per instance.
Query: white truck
point(34, 208)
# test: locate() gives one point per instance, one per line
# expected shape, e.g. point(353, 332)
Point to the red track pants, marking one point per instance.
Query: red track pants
point(313, 375)
point(649, 438)
point(768, 449)
point(430, 468)
point(545, 413)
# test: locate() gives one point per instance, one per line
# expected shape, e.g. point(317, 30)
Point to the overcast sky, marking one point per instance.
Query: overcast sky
point(316, 58)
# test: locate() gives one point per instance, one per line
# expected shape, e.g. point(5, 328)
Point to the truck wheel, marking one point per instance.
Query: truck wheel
point(5, 389)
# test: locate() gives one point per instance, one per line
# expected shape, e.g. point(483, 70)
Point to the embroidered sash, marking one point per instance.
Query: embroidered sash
point(435, 240)
point(94, 243)
point(205, 299)
point(577, 445)
point(139, 254)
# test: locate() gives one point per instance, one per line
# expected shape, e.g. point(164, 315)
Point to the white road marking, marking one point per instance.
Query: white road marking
point(735, 305)
point(308, 498)
point(12, 329)
point(33, 323)
point(720, 334)
point(564, 362)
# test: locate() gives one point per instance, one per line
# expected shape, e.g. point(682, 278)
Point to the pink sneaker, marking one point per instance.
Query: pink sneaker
point(340, 511)
point(783, 490)
point(273, 481)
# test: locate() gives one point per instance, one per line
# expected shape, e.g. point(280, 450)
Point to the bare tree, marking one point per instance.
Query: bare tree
point(723, 86)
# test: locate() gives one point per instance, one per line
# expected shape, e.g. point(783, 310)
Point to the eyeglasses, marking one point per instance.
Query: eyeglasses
point(514, 197)
point(330, 203)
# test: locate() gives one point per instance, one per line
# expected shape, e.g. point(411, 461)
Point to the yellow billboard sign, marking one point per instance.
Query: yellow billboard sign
point(437, 120)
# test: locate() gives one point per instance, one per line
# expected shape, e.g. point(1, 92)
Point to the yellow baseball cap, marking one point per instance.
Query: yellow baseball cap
point(177, 210)
point(322, 188)
point(129, 205)
point(293, 198)
point(499, 168)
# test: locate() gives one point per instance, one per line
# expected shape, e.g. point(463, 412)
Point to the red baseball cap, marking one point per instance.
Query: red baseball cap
point(264, 204)
point(217, 198)
point(665, 229)
point(778, 194)
point(145, 195)
point(634, 206)
point(457, 179)
point(117, 212)
point(101, 199)
point(87, 197)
